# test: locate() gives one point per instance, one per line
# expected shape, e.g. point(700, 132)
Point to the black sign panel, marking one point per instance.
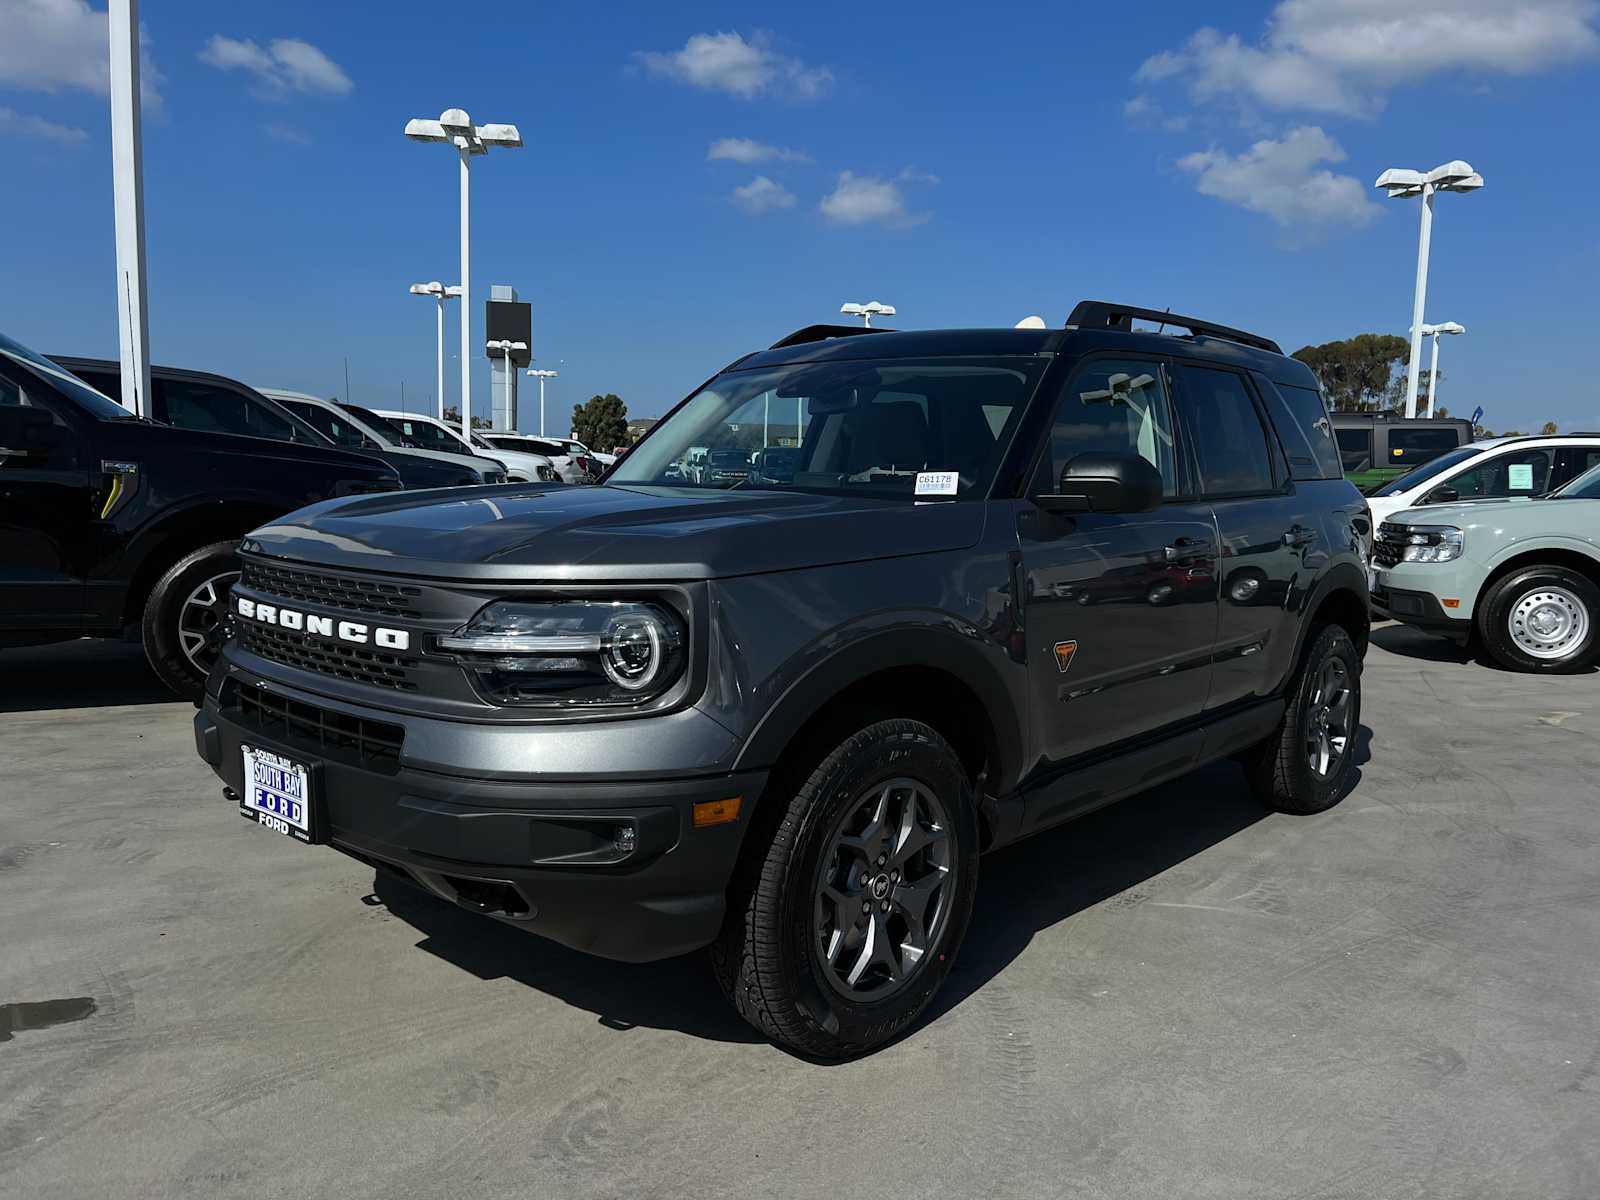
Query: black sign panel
point(509, 321)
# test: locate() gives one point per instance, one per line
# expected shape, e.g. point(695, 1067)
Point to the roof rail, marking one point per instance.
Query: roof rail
point(820, 333)
point(1101, 314)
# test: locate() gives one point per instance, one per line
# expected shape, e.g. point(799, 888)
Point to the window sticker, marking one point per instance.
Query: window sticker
point(1519, 477)
point(937, 483)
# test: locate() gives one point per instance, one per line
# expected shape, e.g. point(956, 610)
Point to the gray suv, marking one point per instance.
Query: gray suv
point(1005, 577)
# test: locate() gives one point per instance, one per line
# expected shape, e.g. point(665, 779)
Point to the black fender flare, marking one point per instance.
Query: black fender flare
point(1341, 577)
point(974, 662)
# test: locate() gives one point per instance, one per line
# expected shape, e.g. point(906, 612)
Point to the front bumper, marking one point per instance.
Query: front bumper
point(539, 854)
point(1412, 593)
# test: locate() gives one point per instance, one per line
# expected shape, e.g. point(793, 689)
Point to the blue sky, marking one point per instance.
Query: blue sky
point(969, 171)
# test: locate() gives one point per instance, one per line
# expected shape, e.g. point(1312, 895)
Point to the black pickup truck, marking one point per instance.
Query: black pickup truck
point(111, 525)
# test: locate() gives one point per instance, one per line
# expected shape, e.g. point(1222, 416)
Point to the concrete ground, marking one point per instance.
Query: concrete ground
point(1177, 997)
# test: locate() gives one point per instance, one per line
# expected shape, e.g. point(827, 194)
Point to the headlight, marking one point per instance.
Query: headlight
point(571, 653)
point(1431, 543)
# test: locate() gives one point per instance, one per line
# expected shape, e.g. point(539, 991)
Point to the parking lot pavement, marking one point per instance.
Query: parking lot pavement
point(1179, 996)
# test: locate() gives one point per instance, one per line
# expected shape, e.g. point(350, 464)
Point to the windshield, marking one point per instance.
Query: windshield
point(1584, 487)
point(895, 428)
point(74, 388)
point(378, 425)
point(1427, 471)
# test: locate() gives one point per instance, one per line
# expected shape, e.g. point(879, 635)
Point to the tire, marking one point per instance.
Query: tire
point(1304, 766)
point(182, 615)
point(1541, 619)
point(771, 957)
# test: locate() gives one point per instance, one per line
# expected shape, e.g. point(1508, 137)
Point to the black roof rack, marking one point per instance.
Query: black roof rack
point(1101, 314)
point(819, 333)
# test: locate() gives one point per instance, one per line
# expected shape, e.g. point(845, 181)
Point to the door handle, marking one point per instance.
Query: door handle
point(1184, 547)
point(1299, 535)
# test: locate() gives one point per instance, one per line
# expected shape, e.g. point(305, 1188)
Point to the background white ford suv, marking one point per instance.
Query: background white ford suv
point(1493, 469)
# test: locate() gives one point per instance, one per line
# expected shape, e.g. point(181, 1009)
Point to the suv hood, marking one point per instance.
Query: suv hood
point(1523, 516)
point(555, 533)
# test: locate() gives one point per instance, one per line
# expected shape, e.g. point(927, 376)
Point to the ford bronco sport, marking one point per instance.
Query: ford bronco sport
point(1013, 575)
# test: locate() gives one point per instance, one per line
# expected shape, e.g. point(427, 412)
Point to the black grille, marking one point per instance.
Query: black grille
point(320, 731)
point(1390, 545)
point(355, 663)
point(335, 591)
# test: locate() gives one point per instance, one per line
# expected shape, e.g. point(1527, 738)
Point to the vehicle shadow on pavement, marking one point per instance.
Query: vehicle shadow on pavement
point(1413, 643)
point(1034, 884)
point(677, 993)
point(1023, 889)
point(81, 674)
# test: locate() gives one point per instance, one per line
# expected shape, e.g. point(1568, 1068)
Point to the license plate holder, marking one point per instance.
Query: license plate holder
point(282, 794)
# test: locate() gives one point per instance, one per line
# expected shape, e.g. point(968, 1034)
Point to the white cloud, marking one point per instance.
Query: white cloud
point(280, 132)
point(1143, 111)
point(24, 125)
point(744, 150)
point(762, 195)
point(864, 199)
point(47, 45)
point(1345, 56)
point(285, 65)
point(1281, 180)
point(726, 62)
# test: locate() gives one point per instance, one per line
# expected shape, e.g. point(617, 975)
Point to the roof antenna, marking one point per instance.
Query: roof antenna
point(1163, 324)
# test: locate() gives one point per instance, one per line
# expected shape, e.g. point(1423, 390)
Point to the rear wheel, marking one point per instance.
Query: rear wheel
point(1304, 766)
point(1541, 619)
point(182, 626)
point(844, 925)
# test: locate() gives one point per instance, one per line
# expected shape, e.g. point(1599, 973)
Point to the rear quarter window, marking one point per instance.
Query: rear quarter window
point(1305, 429)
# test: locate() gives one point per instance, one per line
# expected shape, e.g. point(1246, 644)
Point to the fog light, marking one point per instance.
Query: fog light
point(625, 839)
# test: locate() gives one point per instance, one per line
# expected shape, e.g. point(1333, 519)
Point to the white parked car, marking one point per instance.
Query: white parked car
point(337, 421)
point(569, 466)
point(1493, 469)
point(435, 434)
point(578, 450)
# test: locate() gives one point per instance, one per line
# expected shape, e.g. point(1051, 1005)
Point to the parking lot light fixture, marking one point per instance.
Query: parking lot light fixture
point(867, 311)
point(1402, 184)
point(440, 294)
point(507, 348)
point(541, 376)
point(455, 128)
point(1433, 331)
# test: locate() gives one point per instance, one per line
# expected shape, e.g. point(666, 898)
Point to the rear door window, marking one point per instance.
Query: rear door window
point(1230, 443)
point(1408, 447)
point(1572, 461)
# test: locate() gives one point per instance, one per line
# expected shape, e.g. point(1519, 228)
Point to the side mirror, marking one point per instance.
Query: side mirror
point(26, 431)
point(1443, 494)
point(1096, 481)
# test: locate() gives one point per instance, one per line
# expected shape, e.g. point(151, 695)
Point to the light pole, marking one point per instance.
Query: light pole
point(541, 376)
point(506, 348)
point(127, 191)
point(1402, 184)
point(440, 294)
point(1434, 331)
point(455, 127)
point(867, 311)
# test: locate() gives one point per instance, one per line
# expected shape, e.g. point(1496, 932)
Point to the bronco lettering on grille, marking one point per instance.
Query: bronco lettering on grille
point(344, 631)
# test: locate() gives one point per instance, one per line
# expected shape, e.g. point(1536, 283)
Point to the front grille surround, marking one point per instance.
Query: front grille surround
point(1390, 544)
point(349, 593)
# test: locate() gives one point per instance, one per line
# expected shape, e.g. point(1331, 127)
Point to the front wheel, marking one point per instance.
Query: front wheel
point(1304, 766)
point(182, 625)
point(1541, 619)
point(845, 924)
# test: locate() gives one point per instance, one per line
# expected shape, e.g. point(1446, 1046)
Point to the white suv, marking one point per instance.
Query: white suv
point(1493, 469)
point(436, 435)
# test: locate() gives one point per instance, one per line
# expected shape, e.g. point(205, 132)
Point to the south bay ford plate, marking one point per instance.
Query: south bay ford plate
point(277, 793)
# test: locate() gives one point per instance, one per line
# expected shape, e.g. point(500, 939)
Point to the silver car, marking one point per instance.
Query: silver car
point(1518, 578)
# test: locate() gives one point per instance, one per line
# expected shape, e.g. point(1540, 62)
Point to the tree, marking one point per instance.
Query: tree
point(452, 418)
point(601, 422)
point(1360, 374)
point(1549, 428)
